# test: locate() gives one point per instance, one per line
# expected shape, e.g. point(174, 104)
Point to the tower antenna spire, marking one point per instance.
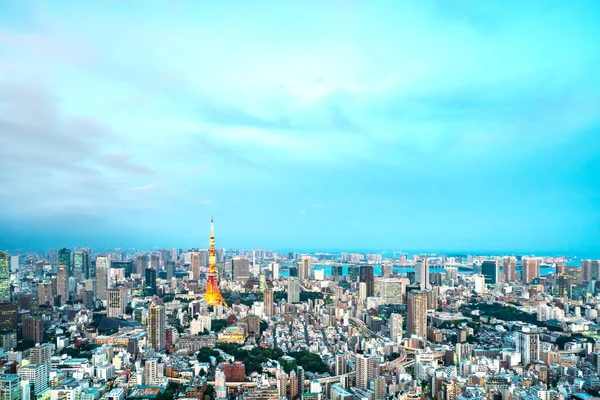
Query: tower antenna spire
point(213, 295)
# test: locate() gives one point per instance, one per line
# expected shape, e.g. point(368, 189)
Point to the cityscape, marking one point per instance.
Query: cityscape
point(300, 200)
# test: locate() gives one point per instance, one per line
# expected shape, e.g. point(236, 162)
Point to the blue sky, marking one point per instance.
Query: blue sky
point(450, 125)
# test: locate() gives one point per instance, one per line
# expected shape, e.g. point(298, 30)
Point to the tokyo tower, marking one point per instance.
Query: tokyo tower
point(213, 295)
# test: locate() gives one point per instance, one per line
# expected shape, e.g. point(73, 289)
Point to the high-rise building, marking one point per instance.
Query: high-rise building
point(422, 273)
point(386, 270)
point(366, 276)
point(305, 268)
point(64, 258)
point(491, 272)
point(282, 385)
point(141, 264)
point(14, 263)
point(417, 313)
point(340, 362)
point(117, 302)
point(102, 274)
point(175, 255)
point(509, 265)
point(62, 283)
point(150, 282)
point(275, 271)
point(10, 387)
point(531, 269)
point(528, 344)
point(8, 317)
point(365, 370)
point(564, 286)
point(170, 267)
point(294, 394)
point(268, 299)
point(380, 388)
point(240, 269)
point(33, 329)
point(4, 277)
point(362, 291)
point(157, 324)
point(392, 290)
point(293, 290)
point(150, 371)
point(395, 325)
point(195, 266)
point(41, 354)
point(37, 375)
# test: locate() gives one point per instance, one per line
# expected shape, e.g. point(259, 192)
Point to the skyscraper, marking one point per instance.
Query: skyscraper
point(8, 317)
point(170, 267)
point(157, 324)
point(304, 268)
point(117, 302)
point(422, 273)
point(62, 283)
point(240, 269)
point(33, 329)
point(491, 272)
point(531, 269)
point(508, 269)
point(195, 266)
point(102, 273)
point(81, 264)
point(365, 370)
point(417, 313)
point(528, 344)
point(366, 276)
point(150, 282)
point(4, 277)
point(213, 295)
point(268, 299)
point(293, 290)
point(64, 258)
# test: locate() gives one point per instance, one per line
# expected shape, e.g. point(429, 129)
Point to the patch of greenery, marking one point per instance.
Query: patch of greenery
point(252, 359)
point(206, 353)
point(310, 362)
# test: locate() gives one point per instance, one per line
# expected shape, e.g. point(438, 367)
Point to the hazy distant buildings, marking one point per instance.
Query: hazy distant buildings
point(64, 258)
point(62, 283)
point(195, 266)
point(102, 272)
point(509, 265)
point(531, 269)
point(304, 268)
point(417, 313)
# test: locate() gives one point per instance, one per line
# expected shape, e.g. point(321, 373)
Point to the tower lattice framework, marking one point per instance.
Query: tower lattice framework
point(213, 295)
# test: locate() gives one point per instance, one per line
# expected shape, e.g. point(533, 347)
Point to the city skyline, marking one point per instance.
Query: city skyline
point(451, 127)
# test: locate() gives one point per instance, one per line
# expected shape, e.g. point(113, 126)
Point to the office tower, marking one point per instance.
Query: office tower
point(33, 329)
point(422, 273)
point(362, 291)
point(10, 387)
point(352, 273)
point(386, 270)
point(340, 363)
point(586, 270)
point(157, 324)
point(14, 264)
point(268, 299)
point(564, 286)
point(165, 256)
point(37, 375)
point(44, 291)
point(170, 267)
point(293, 386)
point(366, 276)
point(81, 264)
point(417, 314)
point(174, 255)
point(102, 272)
point(395, 325)
point(117, 302)
point(531, 269)
point(8, 317)
point(4, 277)
point(62, 283)
point(509, 265)
point(478, 283)
point(213, 296)
point(240, 269)
point(491, 272)
point(365, 370)
point(154, 261)
point(392, 290)
point(141, 264)
point(195, 266)
point(293, 290)
point(150, 282)
point(64, 258)
point(528, 344)
point(304, 268)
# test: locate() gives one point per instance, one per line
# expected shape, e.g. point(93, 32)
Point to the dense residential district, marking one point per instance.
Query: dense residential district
point(231, 324)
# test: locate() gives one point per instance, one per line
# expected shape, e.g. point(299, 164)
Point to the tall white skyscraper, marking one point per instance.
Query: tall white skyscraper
point(365, 370)
point(293, 290)
point(528, 344)
point(14, 263)
point(102, 273)
point(395, 325)
point(422, 273)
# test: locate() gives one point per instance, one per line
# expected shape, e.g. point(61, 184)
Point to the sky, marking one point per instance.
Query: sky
point(338, 125)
